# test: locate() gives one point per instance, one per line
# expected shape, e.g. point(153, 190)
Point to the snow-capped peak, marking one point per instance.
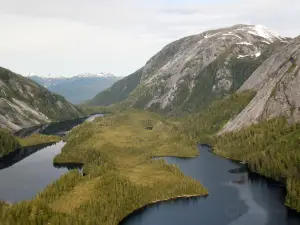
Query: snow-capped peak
point(104, 75)
point(55, 76)
point(49, 76)
point(261, 31)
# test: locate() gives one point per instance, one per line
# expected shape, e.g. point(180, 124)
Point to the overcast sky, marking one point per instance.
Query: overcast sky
point(69, 37)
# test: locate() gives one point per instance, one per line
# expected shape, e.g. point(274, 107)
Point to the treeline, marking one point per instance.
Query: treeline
point(202, 126)
point(119, 174)
point(8, 142)
point(271, 148)
point(36, 139)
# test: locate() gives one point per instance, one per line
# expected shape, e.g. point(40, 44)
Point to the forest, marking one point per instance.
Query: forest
point(203, 125)
point(271, 148)
point(120, 175)
point(9, 142)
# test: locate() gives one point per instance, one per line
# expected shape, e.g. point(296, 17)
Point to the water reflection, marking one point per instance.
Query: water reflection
point(236, 197)
point(20, 154)
point(27, 171)
point(55, 128)
point(24, 179)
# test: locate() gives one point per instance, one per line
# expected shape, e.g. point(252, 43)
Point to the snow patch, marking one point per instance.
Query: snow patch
point(55, 76)
point(255, 55)
point(231, 34)
point(261, 31)
point(243, 56)
point(212, 35)
point(244, 43)
point(266, 42)
point(104, 75)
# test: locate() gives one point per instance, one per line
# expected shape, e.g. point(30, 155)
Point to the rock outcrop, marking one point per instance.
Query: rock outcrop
point(191, 72)
point(277, 83)
point(24, 103)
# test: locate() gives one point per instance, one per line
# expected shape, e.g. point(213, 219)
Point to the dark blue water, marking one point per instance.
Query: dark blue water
point(24, 179)
point(25, 172)
point(235, 198)
point(55, 128)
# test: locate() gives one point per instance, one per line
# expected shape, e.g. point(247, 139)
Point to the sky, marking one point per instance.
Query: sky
point(70, 37)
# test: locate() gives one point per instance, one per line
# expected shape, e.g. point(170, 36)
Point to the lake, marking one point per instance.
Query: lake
point(240, 198)
point(27, 171)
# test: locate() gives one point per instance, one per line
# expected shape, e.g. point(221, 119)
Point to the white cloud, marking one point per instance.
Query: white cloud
point(74, 36)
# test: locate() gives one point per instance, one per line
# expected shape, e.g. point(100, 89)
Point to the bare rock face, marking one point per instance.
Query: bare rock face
point(24, 103)
point(277, 83)
point(192, 71)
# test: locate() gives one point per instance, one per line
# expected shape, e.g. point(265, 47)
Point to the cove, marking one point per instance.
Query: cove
point(236, 197)
point(27, 171)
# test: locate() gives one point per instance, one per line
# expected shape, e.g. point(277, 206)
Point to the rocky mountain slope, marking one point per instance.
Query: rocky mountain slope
point(277, 83)
point(79, 88)
point(24, 103)
point(191, 72)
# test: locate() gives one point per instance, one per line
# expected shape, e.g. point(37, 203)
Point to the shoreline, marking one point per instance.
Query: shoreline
point(281, 183)
point(18, 150)
point(162, 201)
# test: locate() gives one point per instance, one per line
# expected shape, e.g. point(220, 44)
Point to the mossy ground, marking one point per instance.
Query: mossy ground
point(36, 139)
point(120, 174)
point(8, 142)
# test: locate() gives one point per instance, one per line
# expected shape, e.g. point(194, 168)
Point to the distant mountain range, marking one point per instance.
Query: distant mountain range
point(79, 88)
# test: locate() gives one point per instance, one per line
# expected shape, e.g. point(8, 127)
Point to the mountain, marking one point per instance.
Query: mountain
point(277, 86)
point(119, 91)
point(79, 88)
point(191, 72)
point(25, 103)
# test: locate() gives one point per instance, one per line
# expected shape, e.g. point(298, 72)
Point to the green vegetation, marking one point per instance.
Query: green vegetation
point(36, 139)
point(120, 174)
point(89, 110)
point(202, 126)
point(240, 70)
point(8, 142)
point(271, 148)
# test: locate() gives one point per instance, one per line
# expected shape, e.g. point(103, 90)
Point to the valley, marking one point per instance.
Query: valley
point(77, 89)
point(207, 129)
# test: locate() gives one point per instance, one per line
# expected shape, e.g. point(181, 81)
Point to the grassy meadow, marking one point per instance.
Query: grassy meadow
point(36, 139)
point(120, 175)
point(9, 143)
